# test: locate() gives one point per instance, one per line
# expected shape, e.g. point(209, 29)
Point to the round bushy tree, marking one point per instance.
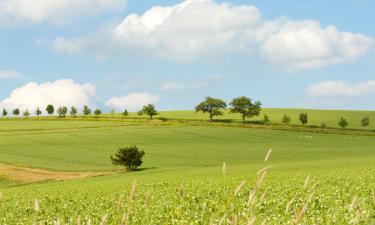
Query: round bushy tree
point(129, 157)
point(304, 118)
point(286, 119)
point(343, 122)
point(212, 106)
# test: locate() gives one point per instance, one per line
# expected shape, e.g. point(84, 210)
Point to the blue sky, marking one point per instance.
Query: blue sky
point(314, 54)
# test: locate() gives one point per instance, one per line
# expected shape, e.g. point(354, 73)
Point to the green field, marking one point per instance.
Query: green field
point(181, 181)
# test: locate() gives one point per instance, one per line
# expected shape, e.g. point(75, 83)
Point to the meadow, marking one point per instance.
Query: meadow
point(191, 174)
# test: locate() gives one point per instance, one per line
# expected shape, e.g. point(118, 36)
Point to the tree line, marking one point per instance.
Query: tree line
point(212, 106)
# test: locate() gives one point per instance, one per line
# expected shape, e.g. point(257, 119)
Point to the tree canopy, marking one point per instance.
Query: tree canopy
point(246, 107)
point(213, 106)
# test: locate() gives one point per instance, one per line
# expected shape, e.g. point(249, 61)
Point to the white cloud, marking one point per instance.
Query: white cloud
point(196, 29)
point(172, 86)
point(341, 88)
point(305, 44)
point(58, 93)
point(9, 74)
point(132, 102)
point(56, 11)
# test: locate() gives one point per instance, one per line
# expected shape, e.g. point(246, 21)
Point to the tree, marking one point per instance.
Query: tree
point(50, 109)
point(149, 110)
point(304, 118)
point(73, 111)
point(38, 112)
point(97, 112)
point(26, 113)
point(125, 113)
point(266, 119)
point(286, 119)
point(213, 106)
point(86, 110)
point(244, 106)
point(5, 112)
point(62, 111)
point(129, 157)
point(365, 121)
point(16, 111)
point(343, 122)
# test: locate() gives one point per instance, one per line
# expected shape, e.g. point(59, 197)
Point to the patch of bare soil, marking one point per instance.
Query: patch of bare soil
point(26, 174)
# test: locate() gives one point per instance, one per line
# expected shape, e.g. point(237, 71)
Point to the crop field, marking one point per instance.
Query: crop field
point(191, 174)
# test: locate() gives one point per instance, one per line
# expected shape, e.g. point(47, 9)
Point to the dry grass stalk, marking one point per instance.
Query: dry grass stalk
point(268, 155)
point(251, 221)
point(125, 219)
point(223, 219)
point(224, 168)
point(239, 187)
point(134, 190)
point(306, 182)
point(302, 212)
point(261, 179)
point(79, 220)
point(262, 197)
point(251, 199)
point(289, 205)
point(354, 203)
point(234, 219)
point(263, 169)
point(36, 205)
point(104, 220)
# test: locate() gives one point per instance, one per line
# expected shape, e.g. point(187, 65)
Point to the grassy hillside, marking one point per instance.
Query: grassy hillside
point(181, 181)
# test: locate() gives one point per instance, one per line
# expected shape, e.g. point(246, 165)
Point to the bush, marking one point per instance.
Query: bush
point(304, 118)
point(286, 119)
point(324, 125)
point(129, 157)
point(266, 119)
point(343, 122)
point(365, 121)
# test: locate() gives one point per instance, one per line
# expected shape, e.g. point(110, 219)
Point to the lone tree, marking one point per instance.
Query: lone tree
point(304, 118)
point(125, 113)
point(286, 119)
point(50, 109)
point(149, 110)
point(266, 119)
point(38, 112)
point(245, 106)
point(26, 113)
point(16, 111)
point(97, 112)
point(62, 111)
point(365, 121)
point(86, 110)
point(5, 112)
point(343, 122)
point(213, 106)
point(129, 157)
point(73, 111)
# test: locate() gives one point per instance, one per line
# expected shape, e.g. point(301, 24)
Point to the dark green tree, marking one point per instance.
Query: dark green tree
point(212, 106)
point(343, 123)
point(246, 107)
point(26, 113)
point(129, 157)
point(148, 110)
point(304, 118)
point(73, 111)
point(38, 112)
point(98, 112)
point(50, 109)
point(86, 110)
point(365, 121)
point(125, 113)
point(62, 111)
point(286, 119)
point(16, 111)
point(266, 119)
point(5, 112)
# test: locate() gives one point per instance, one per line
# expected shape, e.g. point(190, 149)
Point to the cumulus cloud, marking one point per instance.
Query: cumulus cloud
point(58, 93)
point(341, 88)
point(132, 102)
point(306, 44)
point(204, 28)
point(9, 74)
point(56, 11)
point(172, 86)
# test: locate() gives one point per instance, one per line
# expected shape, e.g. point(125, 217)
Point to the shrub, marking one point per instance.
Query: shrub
point(26, 113)
point(304, 118)
point(266, 119)
point(343, 122)
point(125, 113)
point(365, 121)
point(324, 125)
point(97, 112)
point(129, 157)
point(62, 111)
point(286, 119)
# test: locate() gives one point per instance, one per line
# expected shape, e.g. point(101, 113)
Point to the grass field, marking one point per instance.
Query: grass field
point(182, 180)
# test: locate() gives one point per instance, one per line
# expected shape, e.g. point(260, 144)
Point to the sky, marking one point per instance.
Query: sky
point(123, 54)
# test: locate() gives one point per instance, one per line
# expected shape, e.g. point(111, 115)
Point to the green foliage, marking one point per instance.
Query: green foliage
point(213, 106)
point(86, 110)
point(343, 122)
point(5, 112)
point(38, 112)
point(62, 111)
point(323, 125)
point(266, 119)
point(303, 118)
point(286, 119)
point(245, 106)
point(365, 122)
point(26, 113)
point(97, 112)
point(129, 157)
point(16, 112)
point(148, 110)
point(50, 109)
point(73, 111)
point(125, 113)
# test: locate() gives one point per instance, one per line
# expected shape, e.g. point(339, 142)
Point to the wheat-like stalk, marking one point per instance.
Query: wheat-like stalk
point(239, 187)
point(268, 155)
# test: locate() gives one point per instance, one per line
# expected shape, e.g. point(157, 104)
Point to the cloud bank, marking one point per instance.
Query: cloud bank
point(132, 102)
